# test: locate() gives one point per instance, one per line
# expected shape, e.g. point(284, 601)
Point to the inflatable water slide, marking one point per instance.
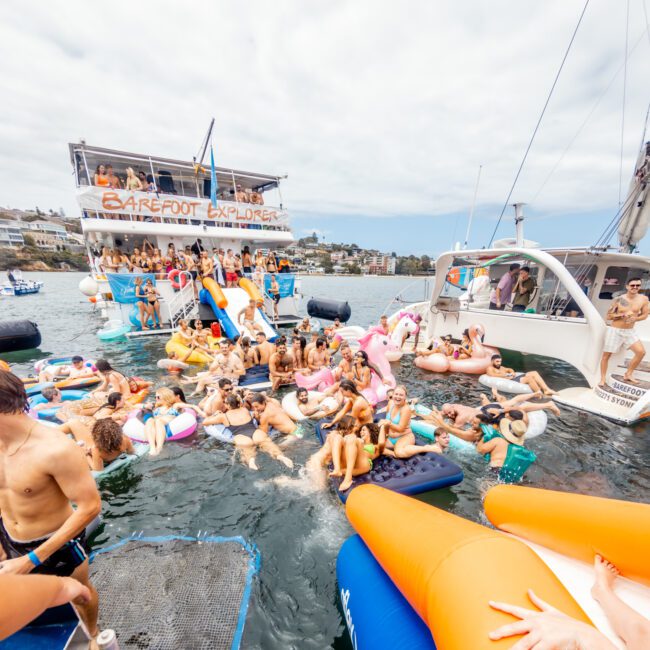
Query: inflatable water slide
point(228, 303)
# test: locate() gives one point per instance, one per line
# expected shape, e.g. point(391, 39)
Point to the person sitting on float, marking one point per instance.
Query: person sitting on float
point(53, 397)
point(532, 378)
point(354, 451)
point(354, 404)
point(400, 440)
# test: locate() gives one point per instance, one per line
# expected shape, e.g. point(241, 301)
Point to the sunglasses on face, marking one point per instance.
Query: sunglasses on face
point(634, 286)
point(227, 390)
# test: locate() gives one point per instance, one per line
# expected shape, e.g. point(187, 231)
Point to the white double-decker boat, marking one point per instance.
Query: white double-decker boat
point(565, 320)
point(177, 210)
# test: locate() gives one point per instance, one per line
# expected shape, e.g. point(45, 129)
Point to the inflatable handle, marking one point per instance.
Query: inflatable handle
point(576, 525)
point(432, 556)
point(252, 290)
point(182, 278)
point(215, 291)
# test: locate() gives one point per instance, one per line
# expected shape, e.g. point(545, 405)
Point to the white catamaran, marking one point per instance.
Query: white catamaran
point(565, 320)
point(174, 207)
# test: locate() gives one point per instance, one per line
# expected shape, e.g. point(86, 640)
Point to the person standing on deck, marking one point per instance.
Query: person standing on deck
point(502, 294)
point(523, 291)
point(625, 311)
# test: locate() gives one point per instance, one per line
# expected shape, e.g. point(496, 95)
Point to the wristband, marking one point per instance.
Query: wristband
point(34, 558)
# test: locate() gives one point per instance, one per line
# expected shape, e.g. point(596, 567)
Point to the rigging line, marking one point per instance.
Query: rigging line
point(586, 120)
point(620, 167)
point(539, 121)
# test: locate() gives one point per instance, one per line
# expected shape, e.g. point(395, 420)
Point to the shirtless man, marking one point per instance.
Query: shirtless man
point(76, 370)
point(226, 364)
point(229, 269)
point(305, 326)
point(269, 414)
point(200, 339)
point(215, 401)
point(41, 474)
point(345, 369)
point(355, 405)
point(248, 314)
point(532, 379)
point(383, 325)
point(622, 315)
point(313, 408)
point(263, 350)
point(318, 356)
point(240, 195)
point(53, 397)
point(281, 368)
point(311, 345)
point(206, 265)
point(190, 266)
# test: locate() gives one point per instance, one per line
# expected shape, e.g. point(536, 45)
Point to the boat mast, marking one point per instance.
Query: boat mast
point(519, 224)
point(471, 212)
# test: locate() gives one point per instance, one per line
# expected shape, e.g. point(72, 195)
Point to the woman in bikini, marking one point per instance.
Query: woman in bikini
point(355, 451)
point(136, 261)
point(141, 302)
point(101, 180)
point(361, 370)
point(270, 264)
point(113, 408)
point(298, 345)
point(400, 441)
point(245, 434)
point(355, 404)
point(247, 262)
point(153, 304)
point(157, 264)
point(106, 261)
point(245, 352)
point(112, 382)
point(155, 428)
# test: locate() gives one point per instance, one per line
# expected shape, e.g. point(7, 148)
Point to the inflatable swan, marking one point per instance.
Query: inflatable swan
point(475, 365)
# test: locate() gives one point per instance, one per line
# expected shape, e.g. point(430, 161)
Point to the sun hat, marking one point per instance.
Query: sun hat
point(513, 431)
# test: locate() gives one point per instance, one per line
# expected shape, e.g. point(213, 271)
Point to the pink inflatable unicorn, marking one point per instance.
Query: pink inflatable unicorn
point(317, 381)
point(376, 346)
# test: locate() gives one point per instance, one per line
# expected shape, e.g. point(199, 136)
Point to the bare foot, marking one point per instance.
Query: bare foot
point(606, 574)
point(345, 485)
point(286, 461)
point(554, 408)
point(252, 464)
point(630, 380)
point(537, 395)
point(335, 473)
point(550, 392)
point(92, 644)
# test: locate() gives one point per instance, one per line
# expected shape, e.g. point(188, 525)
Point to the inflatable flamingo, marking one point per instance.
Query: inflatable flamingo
point(475, 365)
point(407, 324)
point(376, 347)
point(317, 381)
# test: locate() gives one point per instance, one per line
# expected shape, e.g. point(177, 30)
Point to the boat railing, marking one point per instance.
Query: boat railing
point(183, 303)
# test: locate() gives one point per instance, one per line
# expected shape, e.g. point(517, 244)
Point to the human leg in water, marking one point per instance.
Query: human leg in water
point(247, 450)
point(261, 439)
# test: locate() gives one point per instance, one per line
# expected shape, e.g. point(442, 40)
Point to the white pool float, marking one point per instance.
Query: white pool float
point(290, 404)
point(505, 385)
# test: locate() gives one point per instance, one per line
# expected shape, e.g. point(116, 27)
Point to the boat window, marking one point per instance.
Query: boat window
point(616, 278)
point(554, 297)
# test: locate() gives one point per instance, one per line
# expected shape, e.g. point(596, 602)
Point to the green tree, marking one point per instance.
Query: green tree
point(353, 269)
point(29, 241)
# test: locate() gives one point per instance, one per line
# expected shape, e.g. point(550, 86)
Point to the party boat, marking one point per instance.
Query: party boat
point(177, 209)
point(566, 318)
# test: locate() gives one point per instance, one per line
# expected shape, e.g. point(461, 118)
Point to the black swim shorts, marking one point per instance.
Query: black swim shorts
point(275, 297)
point(61, 563)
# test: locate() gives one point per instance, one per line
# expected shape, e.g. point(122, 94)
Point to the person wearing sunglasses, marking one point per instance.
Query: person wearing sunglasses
point(626, 310)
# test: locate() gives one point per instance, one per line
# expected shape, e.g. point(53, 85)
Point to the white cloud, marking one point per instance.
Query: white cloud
point(372, 108)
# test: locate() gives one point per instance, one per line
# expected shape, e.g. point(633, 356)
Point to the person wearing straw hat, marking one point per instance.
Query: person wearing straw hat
point(510, 432)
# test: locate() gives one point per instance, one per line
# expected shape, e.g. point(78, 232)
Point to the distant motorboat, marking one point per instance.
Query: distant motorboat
point(16, 285)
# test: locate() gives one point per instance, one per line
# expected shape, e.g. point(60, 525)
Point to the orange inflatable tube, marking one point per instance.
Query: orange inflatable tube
point(215, 291)
point(252, 290)
point(448, 568)
point(576, 525)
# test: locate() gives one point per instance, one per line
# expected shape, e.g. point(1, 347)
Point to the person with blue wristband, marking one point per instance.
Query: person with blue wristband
point(41, 475)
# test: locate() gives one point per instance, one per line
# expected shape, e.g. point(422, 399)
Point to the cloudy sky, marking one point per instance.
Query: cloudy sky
point(379, 112)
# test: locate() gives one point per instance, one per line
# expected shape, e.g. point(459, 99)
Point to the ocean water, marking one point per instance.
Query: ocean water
point(196, 486)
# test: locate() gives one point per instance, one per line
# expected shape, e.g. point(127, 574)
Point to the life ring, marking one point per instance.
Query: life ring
point(505, 385)
point(181, 426)
point(290, 404)
point(175, 273)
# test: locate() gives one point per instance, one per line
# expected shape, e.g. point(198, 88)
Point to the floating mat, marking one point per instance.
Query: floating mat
point(175, 592)
point(256, 378)
point(159, 593)
point(420, 473)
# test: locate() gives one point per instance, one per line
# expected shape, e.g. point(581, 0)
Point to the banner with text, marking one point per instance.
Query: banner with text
point(150, 204)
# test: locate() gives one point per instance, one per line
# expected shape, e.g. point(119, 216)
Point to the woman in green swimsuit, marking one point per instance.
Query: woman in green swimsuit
point(360, 449)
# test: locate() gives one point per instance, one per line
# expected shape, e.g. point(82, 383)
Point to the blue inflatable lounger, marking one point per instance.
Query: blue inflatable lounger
point(362, 584)
point(159, 592)
point(420, 473)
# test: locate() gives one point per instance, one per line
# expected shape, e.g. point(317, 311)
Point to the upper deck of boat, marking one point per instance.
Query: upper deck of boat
point(175, 199)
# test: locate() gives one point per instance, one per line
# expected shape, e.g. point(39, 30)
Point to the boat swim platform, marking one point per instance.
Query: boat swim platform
point(160, 593)
point(153, 332)
point(589, 399)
